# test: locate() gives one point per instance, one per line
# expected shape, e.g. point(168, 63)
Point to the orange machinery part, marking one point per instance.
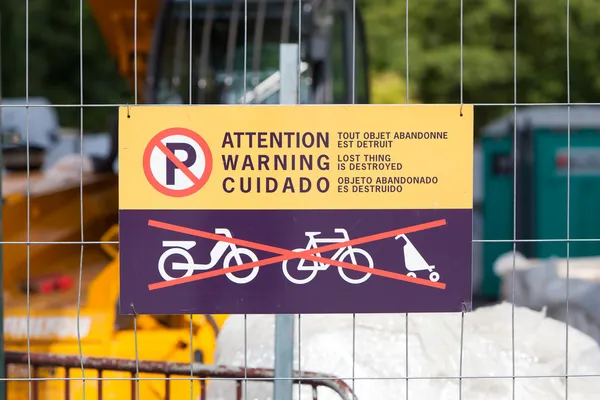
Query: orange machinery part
point(115, 19)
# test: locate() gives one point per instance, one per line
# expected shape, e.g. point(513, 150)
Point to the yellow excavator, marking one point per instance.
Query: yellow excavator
point(44, 224)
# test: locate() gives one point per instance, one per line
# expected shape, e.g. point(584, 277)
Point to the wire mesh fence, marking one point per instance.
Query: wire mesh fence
point(223, 52)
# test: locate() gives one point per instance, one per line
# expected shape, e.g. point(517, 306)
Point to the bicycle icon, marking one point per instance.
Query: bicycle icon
point(221, 248)
point(341, 254)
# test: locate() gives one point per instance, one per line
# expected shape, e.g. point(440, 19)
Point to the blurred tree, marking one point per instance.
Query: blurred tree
point(488, 50)
point(388, 87)
point(54, 59)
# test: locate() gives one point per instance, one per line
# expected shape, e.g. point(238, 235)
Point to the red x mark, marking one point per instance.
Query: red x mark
point(288, 254)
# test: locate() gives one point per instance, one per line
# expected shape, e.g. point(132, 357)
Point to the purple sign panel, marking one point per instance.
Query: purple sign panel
point(295, 261)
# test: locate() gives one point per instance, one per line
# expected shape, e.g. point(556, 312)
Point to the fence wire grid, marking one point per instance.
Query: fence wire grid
point(245, 374)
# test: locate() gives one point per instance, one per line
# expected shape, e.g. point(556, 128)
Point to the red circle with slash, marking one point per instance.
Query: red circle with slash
point(156, 171)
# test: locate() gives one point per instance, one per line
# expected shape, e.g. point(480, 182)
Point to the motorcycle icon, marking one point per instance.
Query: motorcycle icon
point(230, 250)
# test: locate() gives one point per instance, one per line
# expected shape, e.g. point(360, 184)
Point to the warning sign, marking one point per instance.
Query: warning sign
point(177, 162)
point(290, 157)
point(293, 209)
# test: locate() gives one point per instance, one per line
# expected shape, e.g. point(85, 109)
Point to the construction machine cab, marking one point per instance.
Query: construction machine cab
point(231, 53)
point(227, 51)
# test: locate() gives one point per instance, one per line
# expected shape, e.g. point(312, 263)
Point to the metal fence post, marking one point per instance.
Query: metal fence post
point(284, 323)
point(2, 365)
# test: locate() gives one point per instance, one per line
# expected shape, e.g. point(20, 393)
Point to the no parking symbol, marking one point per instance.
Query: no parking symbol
point(177, 162)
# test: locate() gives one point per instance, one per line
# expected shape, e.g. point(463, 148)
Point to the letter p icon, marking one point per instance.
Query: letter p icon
point(188, 162)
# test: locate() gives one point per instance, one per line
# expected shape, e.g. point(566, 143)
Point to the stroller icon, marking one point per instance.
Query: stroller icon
point(414, 261)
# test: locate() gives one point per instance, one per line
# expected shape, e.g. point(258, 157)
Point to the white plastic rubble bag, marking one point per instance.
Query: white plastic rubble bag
point(542, 283)
point(434, 348)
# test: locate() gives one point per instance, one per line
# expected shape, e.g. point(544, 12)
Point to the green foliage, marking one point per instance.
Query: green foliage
point(488, 50)
point(434, 42)
point(389, 88)
point(54, 59)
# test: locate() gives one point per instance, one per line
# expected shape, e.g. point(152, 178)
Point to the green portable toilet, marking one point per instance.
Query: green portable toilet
point(541, 192)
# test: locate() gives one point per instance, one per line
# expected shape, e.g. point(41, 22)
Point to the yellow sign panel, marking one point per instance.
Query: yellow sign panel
point(296, 157)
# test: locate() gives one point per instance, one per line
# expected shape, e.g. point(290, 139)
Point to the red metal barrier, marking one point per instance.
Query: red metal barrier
point(200, 371)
